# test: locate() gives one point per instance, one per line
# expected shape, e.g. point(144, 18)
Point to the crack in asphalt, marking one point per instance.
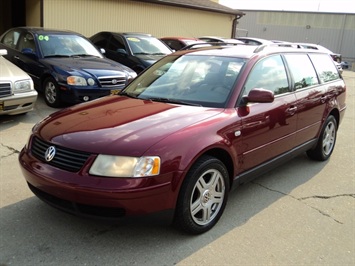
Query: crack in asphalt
point(13, 151)
point(310, 197)
point(328, 197)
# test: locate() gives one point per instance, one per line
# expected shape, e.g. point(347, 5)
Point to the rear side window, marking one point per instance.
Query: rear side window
point(302, 70)
point(269, 74)
point(325, 67)
point(11, 38)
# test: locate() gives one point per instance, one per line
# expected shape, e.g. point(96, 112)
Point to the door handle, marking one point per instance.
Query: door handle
point(292, 110)
point(323, 99)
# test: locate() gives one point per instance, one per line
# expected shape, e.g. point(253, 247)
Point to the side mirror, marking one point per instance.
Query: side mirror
point(260, 96)
point(102, 50)
point(121, 51)
point(29, 52)
point(3, 52)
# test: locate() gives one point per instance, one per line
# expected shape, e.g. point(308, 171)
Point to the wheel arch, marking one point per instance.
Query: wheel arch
point(225, 158)
point(334, 112)
point(44, 77)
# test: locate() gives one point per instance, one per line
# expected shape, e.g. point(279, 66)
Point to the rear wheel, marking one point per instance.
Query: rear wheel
point(51, 92)
point(326, 141)
point(203, 196)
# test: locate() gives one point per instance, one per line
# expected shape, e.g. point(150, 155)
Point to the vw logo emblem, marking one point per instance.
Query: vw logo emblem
point(50, 153)
point(114, 81)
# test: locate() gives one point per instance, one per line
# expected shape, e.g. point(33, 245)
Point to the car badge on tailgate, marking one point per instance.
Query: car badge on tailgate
point(50, 153)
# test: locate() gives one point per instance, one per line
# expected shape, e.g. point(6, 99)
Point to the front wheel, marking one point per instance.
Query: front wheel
point(51, 93)
point(203, 196)
point(326, 141)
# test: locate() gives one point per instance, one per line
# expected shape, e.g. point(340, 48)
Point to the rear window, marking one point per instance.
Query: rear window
point(302, 70)
point(11, 38)
point(325, 67)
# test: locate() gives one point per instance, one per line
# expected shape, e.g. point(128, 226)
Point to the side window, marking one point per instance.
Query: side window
point(11, 39)
point(325, 67)
point(101, 41)
point(176, 45)
point(270, 74)
point(26, 41)
point(116, 43)
point(302, 70)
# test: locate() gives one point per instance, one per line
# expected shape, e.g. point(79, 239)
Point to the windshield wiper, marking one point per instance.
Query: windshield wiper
point(83, 55)
point(123, 93)
point(150, 54)
point(56, 55)
point(167, 100)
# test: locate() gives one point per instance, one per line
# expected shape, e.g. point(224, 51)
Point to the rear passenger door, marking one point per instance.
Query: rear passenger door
point(311, 91)
point(268, 129)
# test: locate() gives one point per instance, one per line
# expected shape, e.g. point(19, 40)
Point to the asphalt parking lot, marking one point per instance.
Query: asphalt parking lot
point(302, 213)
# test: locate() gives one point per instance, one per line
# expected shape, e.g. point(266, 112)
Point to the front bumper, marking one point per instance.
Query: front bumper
point(83, 194)
point(18, 103)
point(73, 95)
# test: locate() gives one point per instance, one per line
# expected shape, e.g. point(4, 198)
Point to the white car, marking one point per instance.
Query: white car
point(312, 46)
point(254, 41)
point(336, 57)
point(215, 39)
point(17, 94)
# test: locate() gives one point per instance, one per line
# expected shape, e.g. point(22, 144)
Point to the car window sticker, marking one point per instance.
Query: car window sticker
point(43, 38)
point(133, 39)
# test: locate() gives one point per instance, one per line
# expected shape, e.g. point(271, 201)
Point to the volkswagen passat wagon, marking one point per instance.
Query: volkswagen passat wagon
point(185, 132)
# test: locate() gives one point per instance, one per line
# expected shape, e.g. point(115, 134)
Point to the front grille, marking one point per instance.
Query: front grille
point(66, 159)
point(5, 89)
point(112, 82)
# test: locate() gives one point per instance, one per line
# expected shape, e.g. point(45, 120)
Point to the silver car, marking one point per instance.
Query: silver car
point(17, 94)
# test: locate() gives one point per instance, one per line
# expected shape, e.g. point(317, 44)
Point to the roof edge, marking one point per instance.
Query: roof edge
point(211, 6)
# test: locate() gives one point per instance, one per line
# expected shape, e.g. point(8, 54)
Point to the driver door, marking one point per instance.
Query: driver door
point(268, 129)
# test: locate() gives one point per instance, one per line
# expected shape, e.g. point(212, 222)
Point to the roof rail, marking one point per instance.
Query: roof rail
point(279, 44)
point(209, 44)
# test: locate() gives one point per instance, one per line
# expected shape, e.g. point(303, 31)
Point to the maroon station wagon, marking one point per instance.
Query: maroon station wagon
point(185, 132)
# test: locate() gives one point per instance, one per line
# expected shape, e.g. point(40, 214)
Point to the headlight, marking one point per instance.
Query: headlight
point(120, 166)
point(77, 81)
point(22, 86)
point(131, 76)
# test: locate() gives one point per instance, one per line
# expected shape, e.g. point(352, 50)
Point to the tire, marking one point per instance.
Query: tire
point(203, 196)
point(51, 93)
point(326, 141)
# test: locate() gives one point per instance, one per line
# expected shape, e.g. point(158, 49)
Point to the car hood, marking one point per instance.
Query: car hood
point(119, 125)
point(10, 72)
point(92, 65)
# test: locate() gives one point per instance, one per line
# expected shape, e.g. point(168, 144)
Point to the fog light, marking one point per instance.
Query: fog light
point(86, 98)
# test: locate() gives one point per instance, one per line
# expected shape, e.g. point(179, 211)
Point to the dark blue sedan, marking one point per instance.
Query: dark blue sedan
point(64, 65)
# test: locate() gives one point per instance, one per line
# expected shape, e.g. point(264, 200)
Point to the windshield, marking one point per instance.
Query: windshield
point(191, 79)
point(147, 45)
point(66, 45)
